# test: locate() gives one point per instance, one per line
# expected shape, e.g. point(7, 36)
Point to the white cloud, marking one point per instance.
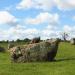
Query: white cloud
point(51, 27)
point(18, 32)
point(47, 4)
point(50, 32)
point(38, 4)
point(44, 17)
point(21, 32)
point(44, 4)
point(25, 4)
point(67, 28)
point(6, 18)
point(73, 18)
point(65, 4)
point(70, 30)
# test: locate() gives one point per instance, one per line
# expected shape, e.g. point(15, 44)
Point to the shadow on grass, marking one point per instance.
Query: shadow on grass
point(65, 59)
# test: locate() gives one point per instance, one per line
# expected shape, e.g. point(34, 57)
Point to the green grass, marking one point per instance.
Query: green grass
point(64, 64)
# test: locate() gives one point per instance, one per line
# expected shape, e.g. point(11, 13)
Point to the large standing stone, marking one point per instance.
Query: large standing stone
point(43, 51)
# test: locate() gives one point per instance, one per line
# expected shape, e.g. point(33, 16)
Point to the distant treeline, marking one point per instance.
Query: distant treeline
point(18, 40)
point(26, 40)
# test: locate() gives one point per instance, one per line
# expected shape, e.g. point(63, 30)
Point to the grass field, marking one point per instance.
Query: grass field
point(64, 64)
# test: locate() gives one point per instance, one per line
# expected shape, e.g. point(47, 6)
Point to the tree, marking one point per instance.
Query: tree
point(18, 40)
point(64, 36)
point(26, 40)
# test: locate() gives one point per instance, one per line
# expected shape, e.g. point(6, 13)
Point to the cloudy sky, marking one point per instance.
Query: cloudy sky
point(21, 19)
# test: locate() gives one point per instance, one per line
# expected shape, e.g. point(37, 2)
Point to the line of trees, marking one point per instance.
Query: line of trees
point(18, 40)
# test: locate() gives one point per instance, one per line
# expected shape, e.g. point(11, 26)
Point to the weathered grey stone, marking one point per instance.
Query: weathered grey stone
point(10, 45)
point(35, 40)
point(43, 51)
point(72, 41)
point(2, 49)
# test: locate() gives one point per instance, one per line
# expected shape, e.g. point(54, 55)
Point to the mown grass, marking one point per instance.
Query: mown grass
point(64, 64)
